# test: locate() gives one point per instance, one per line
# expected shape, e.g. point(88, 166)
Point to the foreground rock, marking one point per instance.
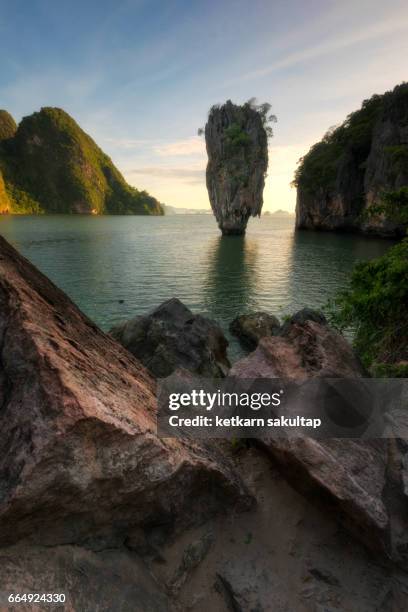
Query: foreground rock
point(95, 506)
point(306, 346)
point(171, 337)
point(237, 148)
point(79, 457)
point(104, 580)
point(284, 555)
point(288, 554)
point(250, 328)
point(350, 473)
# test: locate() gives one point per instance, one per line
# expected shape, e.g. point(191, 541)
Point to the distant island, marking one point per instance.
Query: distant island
point(48, 164)
point(176, 210)
point(278, 213)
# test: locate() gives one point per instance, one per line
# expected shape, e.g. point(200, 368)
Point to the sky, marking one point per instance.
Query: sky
point(140, 75)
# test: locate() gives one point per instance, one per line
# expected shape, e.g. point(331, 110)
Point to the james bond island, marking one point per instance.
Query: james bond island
point(237, 146)
point(204, 391)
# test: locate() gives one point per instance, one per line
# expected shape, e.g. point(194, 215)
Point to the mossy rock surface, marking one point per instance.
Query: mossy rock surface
point(8, 126)
point(51, 165)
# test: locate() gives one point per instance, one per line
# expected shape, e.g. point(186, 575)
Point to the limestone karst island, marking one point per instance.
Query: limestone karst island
point(204, 333)
point(355, 168)
point(237, 145)
point(49, 165)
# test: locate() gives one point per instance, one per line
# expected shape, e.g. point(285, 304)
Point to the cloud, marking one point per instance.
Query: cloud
point(186, 175)
point(191, 146)
point(180, 148)
point(375, 31)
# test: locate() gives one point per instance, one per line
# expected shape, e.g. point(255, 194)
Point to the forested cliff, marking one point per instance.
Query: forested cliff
point(48, 164)
point(343, 179)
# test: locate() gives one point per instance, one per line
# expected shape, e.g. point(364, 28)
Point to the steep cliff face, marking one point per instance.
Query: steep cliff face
point(346, 173)
point(237, 149)
point(8, 128)
point(49, 164)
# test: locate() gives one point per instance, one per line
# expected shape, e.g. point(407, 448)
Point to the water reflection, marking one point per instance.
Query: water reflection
point(117, 267)
point(233, 271)
point(319, 265)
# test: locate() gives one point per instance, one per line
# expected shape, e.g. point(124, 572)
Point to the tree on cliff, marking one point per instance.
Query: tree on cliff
point(263, 110)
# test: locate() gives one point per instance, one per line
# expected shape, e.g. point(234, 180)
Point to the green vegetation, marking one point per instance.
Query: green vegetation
point(5, 203)
point(375, 304)
point(263, 111)
point(236, 136)
point(235, 133)
point(393, 205)
point(8, 126)
point(51, 165)
point(374, 307)
point(399, 157)
point(318, 168)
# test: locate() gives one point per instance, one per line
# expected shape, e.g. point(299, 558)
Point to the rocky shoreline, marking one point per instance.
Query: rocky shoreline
point(93, 503)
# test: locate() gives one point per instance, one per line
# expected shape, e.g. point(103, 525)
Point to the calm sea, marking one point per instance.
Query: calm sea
point(117, 267)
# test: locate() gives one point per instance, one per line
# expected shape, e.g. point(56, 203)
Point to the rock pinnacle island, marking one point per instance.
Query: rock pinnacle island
point(237, 146)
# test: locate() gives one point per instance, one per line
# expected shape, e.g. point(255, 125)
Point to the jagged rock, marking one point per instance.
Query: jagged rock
point(324, 576)
point(193, 555)
point(306, 314)
point(302, 350)
point(246, 585)
point(287, 554)
point(404, 474)
point(172, 337)
point(105, 580)
point(346, 173)
point(351, 473)
point(237, 151)
point(79, 455)
point(250, 328)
